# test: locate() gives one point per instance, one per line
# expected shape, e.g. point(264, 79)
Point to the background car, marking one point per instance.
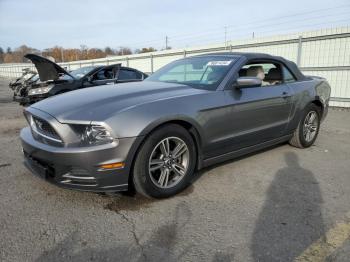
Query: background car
point(55, 80)
point(26, 75)
point(21, 84)
point(192, 113)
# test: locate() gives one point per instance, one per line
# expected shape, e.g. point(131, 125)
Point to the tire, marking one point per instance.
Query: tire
point(300, 138)
point(156, 172)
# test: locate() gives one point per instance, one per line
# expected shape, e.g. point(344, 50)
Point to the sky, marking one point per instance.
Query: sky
point(136, 23)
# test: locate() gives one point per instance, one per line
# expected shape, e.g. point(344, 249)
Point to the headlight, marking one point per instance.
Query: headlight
point(95, 135)
point(40, 90)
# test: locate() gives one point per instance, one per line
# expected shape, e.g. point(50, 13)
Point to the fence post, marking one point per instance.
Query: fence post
point(127, 61)
point(230, 48)
point(184, 53)
point(151, 56)
point(300, 47)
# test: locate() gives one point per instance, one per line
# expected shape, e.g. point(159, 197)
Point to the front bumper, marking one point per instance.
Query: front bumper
point(28, 100)
point(78, 168)
point(21, 100)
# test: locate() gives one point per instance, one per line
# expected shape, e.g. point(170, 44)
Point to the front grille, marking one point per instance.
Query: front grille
point(44, 128)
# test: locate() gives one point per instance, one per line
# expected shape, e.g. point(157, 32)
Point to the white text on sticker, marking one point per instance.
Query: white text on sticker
point(219, 63)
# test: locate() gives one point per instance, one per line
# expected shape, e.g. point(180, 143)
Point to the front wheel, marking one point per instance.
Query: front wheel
point(306, 133)
point(165, 163)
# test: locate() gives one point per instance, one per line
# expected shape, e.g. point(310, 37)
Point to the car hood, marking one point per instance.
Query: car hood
point(47, 69)
point(100, 102)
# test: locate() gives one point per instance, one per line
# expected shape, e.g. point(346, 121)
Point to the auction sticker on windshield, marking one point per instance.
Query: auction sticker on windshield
point(219, 63)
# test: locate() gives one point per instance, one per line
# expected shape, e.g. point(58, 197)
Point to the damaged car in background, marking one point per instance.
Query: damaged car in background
point(54, 80)
point(23, 83)
point(27, 75)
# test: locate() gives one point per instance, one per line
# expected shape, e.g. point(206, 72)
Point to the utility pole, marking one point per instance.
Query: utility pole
point(225, 36)
point(253, 35)
point(62, 54)
point(121, 49)
point(166, 42)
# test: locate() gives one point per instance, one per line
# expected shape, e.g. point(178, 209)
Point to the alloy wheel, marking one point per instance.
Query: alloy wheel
point(310, 127)
point(168, 162)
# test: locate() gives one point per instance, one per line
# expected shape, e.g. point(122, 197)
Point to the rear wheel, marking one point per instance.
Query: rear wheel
point(308, 128)
point(165, 163)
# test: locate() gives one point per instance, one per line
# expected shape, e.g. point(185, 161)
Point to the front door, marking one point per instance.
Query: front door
point(258, 114)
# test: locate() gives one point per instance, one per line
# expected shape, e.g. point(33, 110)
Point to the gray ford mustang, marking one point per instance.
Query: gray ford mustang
point(153, 135)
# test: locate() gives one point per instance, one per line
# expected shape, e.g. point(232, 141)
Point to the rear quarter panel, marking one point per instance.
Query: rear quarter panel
point(304, 93)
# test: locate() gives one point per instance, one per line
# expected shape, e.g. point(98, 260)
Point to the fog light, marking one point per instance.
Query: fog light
point(113, 165)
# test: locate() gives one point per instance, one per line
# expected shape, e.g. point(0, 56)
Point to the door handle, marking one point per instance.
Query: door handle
point(285, 95)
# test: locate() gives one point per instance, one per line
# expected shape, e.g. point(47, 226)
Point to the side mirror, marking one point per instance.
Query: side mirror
point(247, 81)
point(89, 79)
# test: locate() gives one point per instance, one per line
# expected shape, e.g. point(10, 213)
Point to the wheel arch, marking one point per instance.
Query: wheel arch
point(319, 104)
point(188, 125)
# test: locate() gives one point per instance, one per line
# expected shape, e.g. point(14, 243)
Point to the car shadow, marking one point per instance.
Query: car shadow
point(132, 201)
point(291, 217)
point(205, 170)
point(132, 194)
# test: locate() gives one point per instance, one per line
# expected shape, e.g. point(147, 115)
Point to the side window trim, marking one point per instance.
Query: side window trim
point(242, 62)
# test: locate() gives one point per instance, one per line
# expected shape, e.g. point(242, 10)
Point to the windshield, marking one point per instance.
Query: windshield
point(199, 72)
point(79, 73)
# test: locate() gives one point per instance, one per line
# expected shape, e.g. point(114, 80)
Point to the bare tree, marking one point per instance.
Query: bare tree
point(2, 54)
point(61, 54)
point(124, 51)
point(146, 50)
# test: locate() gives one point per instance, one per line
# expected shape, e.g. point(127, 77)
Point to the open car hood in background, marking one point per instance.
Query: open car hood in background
point(47, 69)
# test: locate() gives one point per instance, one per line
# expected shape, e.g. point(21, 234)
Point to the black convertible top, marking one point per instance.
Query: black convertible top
point(262, 56)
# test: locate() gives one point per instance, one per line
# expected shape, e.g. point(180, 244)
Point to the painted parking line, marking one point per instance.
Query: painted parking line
point(327, 244)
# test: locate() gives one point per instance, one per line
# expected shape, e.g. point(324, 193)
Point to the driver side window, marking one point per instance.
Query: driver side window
point(269, 73)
